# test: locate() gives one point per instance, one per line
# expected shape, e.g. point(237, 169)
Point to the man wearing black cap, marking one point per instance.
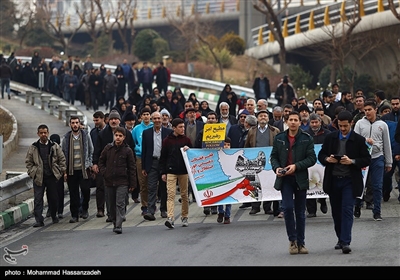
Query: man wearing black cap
point(304, 117)
point(261, 135)
point(284, 92)
point(328, 100)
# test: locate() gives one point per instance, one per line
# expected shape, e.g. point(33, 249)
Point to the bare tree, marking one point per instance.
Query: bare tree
point(55, 25)
point(341, 44)
point(124, 19)
point(265, 7)
point(192, 32)
point(26, 20)
point(89, 16)
point(106, 20)
point(392, 7)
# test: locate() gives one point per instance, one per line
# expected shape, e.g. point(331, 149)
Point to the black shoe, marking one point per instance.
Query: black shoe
point(85, 215)
point(346, 249)
point(9, 97)
point(254, 211)
point(386, 196)
point(214, 210)
point(118, 230)
point(149, 217)
point(55, 220)
point(370, 206)
point(38, 224)
point(108, 220)
point(245, 205)
point(207, 211)
point(377, 217)
point(74, 220)
point(220, 218)
point(311, 215)
point(338, 245)
point(60, 215)
point(270, 212)
point(357, 212)
point(164, 214)
point(100, 214)
point(48, 213)
point(324, 208)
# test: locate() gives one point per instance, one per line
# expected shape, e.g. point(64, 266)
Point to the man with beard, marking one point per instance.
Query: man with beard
point(78, 151)
point(304, 112)
point(317, 131)
point(282, 123)
point(262, 136)
point(225, 117)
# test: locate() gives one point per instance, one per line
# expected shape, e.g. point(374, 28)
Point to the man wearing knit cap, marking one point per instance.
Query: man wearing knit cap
point(166, 119)
point(107, 136)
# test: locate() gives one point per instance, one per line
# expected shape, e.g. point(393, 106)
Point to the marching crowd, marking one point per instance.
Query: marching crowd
point(134, 148)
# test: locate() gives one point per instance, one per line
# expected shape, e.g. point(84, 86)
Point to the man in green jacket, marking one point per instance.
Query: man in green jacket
point(291, 156)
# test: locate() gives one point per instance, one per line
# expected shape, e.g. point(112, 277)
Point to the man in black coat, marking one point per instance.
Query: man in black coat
point(261, 87)
point(343, 178)
point(107, 136)
point(151, 153)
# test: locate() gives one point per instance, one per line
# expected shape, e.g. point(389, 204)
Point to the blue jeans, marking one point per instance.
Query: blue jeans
point(377, 169)
point(387, 185)
point(342, 204)
point(227, 212)
point(295, 228)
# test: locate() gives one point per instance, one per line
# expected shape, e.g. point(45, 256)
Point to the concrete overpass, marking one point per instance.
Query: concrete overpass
point(304, 30)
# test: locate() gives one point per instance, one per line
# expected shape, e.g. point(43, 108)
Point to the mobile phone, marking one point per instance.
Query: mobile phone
point(282, 171)
point(338, 157)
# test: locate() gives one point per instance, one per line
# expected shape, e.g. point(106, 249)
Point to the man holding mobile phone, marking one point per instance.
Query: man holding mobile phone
point(343, 179)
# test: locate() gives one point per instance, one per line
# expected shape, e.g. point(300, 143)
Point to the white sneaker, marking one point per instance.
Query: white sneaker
point(185, 222)
point(169, 223)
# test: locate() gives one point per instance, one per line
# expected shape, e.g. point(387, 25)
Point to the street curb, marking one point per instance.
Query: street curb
point(16, 214)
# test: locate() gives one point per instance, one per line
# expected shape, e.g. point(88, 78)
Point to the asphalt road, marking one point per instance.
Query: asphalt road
point(250, 240)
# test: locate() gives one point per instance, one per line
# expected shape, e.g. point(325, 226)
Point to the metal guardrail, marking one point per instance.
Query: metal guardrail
point(14, 186)
point(370, 7)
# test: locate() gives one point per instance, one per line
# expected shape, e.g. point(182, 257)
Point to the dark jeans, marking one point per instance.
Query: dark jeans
point(50, 186)
point(147, 88)
point(342, 204)
point(267, 206)
point(294, 209)
point(95, 99)
point(152, 178)
point(75, 182)
point(116, 199)
point(110, 97)
point(5, 83)
point(311, 204)
point(101, 195)
point(388, 179)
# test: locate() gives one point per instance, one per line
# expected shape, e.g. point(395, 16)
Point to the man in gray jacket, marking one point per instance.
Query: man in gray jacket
point(46, 164)
point(376, 133)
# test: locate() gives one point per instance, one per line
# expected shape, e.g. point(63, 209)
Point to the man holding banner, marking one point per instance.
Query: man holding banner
point(344, 154)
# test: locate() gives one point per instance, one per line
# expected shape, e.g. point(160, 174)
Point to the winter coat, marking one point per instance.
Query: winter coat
point(117, 164)
point(34, 162)
point(303, 155)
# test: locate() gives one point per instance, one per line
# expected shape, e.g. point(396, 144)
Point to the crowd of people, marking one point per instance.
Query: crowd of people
point(144, 133)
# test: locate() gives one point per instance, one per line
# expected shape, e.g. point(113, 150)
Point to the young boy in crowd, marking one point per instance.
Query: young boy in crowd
point(225, 216)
